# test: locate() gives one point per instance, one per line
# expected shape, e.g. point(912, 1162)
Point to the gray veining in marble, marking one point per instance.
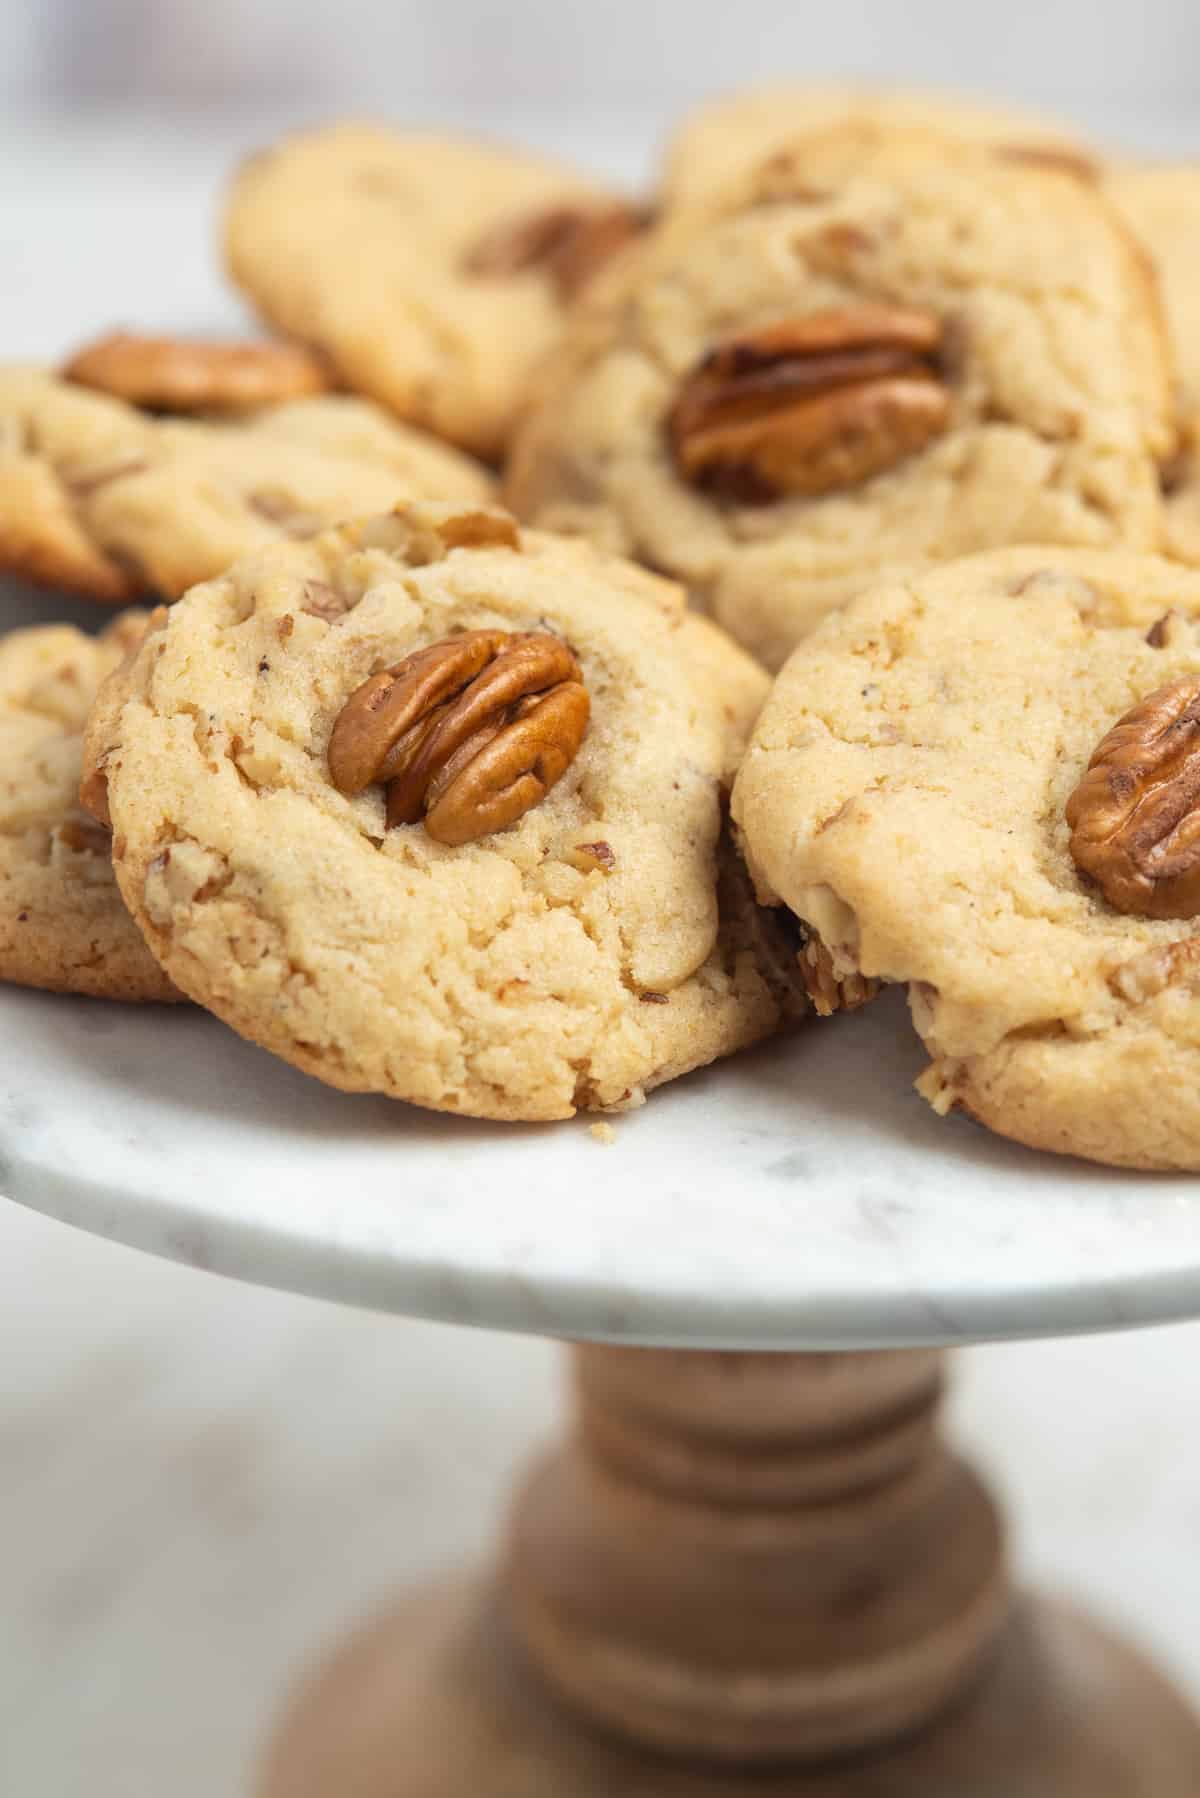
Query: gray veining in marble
point(800, 1196)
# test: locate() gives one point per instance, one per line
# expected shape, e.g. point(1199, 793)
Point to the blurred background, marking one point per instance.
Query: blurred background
point(201, 1484)
point(1108, 64)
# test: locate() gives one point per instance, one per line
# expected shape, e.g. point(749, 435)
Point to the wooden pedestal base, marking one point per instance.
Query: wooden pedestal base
point(743, 1577)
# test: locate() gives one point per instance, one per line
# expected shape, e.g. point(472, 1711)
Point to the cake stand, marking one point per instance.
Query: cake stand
point(740, 1573)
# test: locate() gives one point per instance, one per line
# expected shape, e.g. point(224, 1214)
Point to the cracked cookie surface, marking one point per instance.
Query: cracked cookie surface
point(370, 244)
point(905, 794)
point(725, 137)
point(1051, 352)
point(63, 925)
point(113, 503)
point(575, 959)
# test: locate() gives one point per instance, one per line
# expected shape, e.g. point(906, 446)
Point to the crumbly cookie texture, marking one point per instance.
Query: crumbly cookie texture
point(112, 503)
point(383, 248)
point(1051, 358)
point(575, 959)
point(1161, 202)
point(905, 794)
point(721, 140)
point(63, 925)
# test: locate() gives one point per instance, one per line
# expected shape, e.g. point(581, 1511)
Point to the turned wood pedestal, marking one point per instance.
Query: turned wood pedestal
point(741, 1576)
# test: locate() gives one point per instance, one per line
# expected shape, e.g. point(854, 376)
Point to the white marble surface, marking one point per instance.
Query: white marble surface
point(800, 1196)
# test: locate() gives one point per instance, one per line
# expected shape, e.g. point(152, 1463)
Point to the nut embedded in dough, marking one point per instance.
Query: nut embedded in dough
point(812, 404)
point(569, 243)
point(1135, 815)
point(468, 733)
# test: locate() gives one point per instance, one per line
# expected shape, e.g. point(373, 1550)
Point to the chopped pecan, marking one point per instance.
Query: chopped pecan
point(1154, 970)
point(280, 508)
point(1135, 815)
point(470, 733)
point(85, 836)
point(789, 954)
point(823, 986)
point(1164, 629)
point(323, 601)
point(171, 374)
point(569, 243)
point(590, 857)
point(811, 404)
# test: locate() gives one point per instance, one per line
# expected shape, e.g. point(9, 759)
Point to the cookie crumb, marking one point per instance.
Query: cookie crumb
point(602, 1133)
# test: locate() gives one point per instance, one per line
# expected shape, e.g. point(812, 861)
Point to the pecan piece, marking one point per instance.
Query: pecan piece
point(569, 243)
point(811, 404)
point(828, 992)
point(86, 836)
point(470, 733)
point(172, 374)
point(1135, 815)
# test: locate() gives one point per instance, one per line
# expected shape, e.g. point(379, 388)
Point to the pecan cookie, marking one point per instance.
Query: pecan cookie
point(110, 502)
point(725, 138)
point(62, 923)
point(431, 807)
point(433, 272)
point(985, 782)
point(884, 350)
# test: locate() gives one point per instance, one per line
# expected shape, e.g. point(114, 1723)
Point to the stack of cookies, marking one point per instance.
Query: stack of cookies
point(593, 634)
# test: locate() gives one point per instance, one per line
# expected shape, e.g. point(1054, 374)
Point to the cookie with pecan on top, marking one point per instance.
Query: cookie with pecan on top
point(434, 272)
point(433, 807)
point(878, 350)
point(113, 502)
point(984, 782)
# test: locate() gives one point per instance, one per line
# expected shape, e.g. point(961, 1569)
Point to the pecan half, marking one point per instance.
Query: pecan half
point(569, 243)
point(172, 374)
point(811, 404)
point(1135, 815)
point(470, 733)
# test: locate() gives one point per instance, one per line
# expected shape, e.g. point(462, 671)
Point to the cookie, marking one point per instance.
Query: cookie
point(918, 792)
point(62, 923)
point(433, 272)
point(1161, 202)
point(884, 350)
point(504, 937)
point(107, 501)
point(725, 138)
